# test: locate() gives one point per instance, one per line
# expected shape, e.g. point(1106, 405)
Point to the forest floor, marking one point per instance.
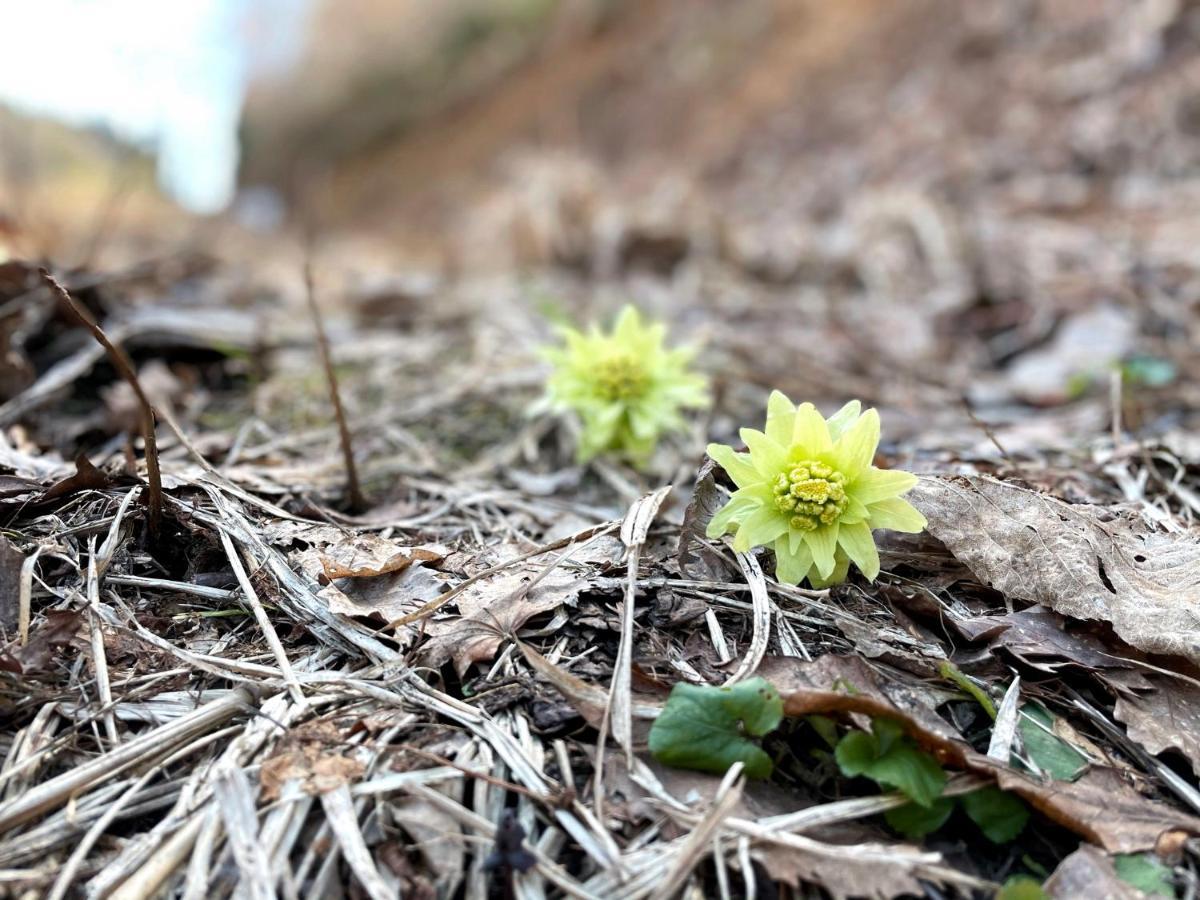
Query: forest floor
point(232, 669)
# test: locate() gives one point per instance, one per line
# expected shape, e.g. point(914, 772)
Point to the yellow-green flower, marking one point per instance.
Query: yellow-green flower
point(626, 388)
point(808, 487)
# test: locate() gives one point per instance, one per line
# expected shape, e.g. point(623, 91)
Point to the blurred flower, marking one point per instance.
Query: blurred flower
point(807, 486)
point(626, 388)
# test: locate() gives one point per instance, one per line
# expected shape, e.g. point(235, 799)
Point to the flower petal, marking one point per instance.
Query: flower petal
point(781, 418)
point(768, 456)
point(737, 465)
point(855, 511)
point(811, 432)
point(843, 418)
point(856, 540)
point(823, 542)
point(841, 568)
point(628, 326)
point(856, 448)
point(728, 516)
point(897, 515)
point(874, 484)
point(791, 563)
point(761, 527)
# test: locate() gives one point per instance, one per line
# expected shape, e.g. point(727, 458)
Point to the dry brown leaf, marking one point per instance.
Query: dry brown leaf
point(366, 575)
point(501, 603)
point(398, 561)
point(590, 700)
point(1165, 717)
point(1088, 873)
point(57, 631)
point(307, 754)
point(841, 875)
point(1101, 806)
point(1080, 560)
point(1042, 639)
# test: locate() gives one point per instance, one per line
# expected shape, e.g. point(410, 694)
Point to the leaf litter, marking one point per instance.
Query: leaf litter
point(280, 694)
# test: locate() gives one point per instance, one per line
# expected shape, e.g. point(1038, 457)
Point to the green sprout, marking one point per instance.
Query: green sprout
point(626, 388)
point(808, 486)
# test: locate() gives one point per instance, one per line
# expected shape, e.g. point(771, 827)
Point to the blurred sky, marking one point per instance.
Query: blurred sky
point(168, 73)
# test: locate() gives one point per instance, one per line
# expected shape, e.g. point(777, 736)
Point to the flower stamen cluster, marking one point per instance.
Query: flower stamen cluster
point(621, 378)
point(811, 493)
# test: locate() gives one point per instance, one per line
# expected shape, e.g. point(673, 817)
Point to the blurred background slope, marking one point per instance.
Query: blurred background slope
point(915, 200)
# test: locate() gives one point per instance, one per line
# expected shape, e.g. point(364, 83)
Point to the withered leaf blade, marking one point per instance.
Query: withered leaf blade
point(57, 631)
point(86, 478)
point(1164, 717)
point(1080, 560)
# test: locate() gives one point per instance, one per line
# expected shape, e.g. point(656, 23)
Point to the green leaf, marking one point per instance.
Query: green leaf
point(914, 822)
point(709, 728)
point(826, 729)
point(1000, 815)
point(1052, 754)
point(888, 758)
point(1021, 887)
point(1144, 872)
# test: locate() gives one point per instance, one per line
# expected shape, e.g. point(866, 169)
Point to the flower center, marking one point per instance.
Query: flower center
point(620, 377)
point(812, 494)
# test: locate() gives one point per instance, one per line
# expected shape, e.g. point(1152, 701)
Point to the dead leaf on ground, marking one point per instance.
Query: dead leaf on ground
point(367, 575)
point(56, 631)
point(1101, 806)
point(590, 699)
point(86, 478)
point(1042, 639)
point(1164, 717)
point(310, 754)
point(501, 603)
point(1088, 873)
point(1083, 561)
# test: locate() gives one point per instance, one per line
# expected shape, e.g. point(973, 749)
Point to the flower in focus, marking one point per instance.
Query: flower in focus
point(626, 388)
point(807, 486)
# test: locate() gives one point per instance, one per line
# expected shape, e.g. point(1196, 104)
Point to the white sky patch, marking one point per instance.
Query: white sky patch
point(166, 73)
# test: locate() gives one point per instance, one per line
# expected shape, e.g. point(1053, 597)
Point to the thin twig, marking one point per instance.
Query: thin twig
point(124, 366)
point(357, 504)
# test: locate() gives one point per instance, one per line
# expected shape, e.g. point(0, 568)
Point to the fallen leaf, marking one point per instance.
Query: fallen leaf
point(397, 561)
point(1080, 560)
point(1101, 806)
point(45, 646)
point(307, 754)
point(1165, 717)
point(86, 478)
point(498, 605)
point(1042, 639)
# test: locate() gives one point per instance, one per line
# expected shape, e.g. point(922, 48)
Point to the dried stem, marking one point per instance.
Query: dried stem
point(124, 366)
point(352, 486)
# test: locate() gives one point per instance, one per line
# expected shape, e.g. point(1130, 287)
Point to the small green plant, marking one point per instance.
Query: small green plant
point(625, 387)
point(1021, 887)
point(1145, 872)
point(710, 728)
point(808, 486)
point(891, 759)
